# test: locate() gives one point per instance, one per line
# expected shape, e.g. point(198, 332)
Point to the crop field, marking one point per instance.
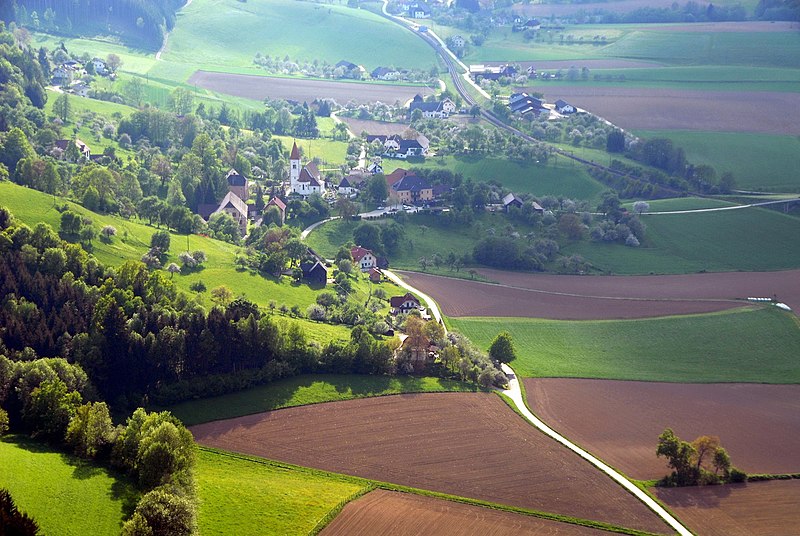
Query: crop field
point(243, 496)
point(65, 495)
point(563, 297)
point(741, 345)
point(391, 513)
point(620, 421)
point(230, 33)
point(257, 87)
point(675, 109)
point(357, 126)
point(307, 389)
point(555, 178)
point(763, 162)
point(736, 346)
point(752, 509)
point(465, 444)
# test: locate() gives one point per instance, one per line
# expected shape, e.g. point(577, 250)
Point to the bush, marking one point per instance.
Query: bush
point(736, 476)
point(160, 240)
point(162, 512)
point(3, 421)
point(198, 286)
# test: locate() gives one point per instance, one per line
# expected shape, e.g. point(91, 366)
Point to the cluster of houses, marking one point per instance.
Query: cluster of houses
point(438, 109)
point(491, 72)
point(69, 74)
point(523, 104)
point(395, 146)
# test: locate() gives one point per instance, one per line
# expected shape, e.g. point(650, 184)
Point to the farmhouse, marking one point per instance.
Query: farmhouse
point(345, 188)
point(490, 72)
point(100, 67)
point(276, 202)
point(384, 73)
point(458, 41)
point(413, 190)
point(364, 258)
point(523, 104)
point(437, 109)
point(395, 176)
point(314, 272)
point(404, 304)
point(395, 146)
point(537, 207)
point(511, 200)
point(305, 180)
point(564, 108)
point(237, 184)
point(418, 11)
point(83, 150)
point(233, 205)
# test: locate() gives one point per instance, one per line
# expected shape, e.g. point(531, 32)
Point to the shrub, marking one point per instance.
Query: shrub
point(737, 476)
point(3, 421)
point(162, 512)
point(198, 286)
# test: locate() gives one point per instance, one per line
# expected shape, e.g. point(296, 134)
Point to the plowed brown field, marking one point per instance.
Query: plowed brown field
point(564, 297)
point(390, 513)
point(466, 444)
point(620, 421)
point(753, 509)
point(299, 89)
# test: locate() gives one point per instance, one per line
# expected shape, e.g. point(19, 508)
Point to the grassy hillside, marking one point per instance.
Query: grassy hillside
point(561, 178)
point(65, 495)
point(761, 162)
point(308, 389)
point(743, 345)
point(242, 495)
point(229, 33)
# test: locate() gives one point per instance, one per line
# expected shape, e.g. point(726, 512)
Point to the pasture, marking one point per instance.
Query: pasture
point(472, 444)
point(301, 30)
point(620, 421)
point(247, 496)
point(390, 513)
point(740, 345)
point(65, 495)
point(305, 390)
point(752, 509)
point(761, 162)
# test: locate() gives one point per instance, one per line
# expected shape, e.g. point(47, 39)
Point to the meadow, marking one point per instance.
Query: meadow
point(307, 389)
point(65, 495)
point(558, 177)
point(740, 345)
point(243, 495)
point(761, 162)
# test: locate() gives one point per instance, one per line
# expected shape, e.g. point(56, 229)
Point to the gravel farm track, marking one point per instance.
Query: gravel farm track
point(566, 297)
point(752, 509)
point(299, 89)
point(391, 513)
point(466, 444)
point(619, 421)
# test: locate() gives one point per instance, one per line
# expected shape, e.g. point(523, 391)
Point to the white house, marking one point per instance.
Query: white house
point(345, 188)
point(99, 66)
point(438, 109)
point(458, 41)
point(364, 258)
point(304, 180)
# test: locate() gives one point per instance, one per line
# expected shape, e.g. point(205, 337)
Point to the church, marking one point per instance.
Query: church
point(304, 180)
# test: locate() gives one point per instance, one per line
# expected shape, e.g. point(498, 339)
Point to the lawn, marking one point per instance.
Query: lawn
point(751, 239)
point(243, 495)
point(681, 203)
point(307, 389)
point(65, 495)
point(331, 152)
point(741, 345)
point(562, 177)
point(301, 30)
point(762, 162)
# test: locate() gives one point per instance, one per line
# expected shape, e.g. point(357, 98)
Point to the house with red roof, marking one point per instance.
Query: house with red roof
point(364, 258)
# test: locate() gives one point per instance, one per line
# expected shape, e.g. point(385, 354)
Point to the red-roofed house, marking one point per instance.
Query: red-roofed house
point(404, 304)
point(363, 257)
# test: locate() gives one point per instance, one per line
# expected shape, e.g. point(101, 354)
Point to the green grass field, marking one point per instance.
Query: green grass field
point(230, 33)
point(762, 162)
point(556, 178)
point(251, 496)
point(681, 203)
point(742, 345)
point(750, 239)
point(332, 152)
point(307, 389)
point(65, 495)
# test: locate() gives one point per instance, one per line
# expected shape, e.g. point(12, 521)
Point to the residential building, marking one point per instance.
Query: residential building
point(364, 258)
point(237, 183)
point(438, 109)
point(413, 190)
point(233, 205)
point(404, 304)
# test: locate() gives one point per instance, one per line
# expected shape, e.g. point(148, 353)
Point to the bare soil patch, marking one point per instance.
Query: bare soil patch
point(390, 513)
point(753, 509)
point(564, 297)
point(671, 109)
point(620, 421)
point(260, 87)
point(376, 128)
point(470, 445)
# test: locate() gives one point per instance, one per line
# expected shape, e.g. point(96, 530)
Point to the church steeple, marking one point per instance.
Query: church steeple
point(294, 167)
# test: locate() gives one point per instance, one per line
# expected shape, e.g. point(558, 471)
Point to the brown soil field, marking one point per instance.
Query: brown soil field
point(620, 421)
point(260, 87)
point(670, 109)
point(466, 444)
point(390, 513)
point(752, 509)
point(564, 297)
point(377, 128)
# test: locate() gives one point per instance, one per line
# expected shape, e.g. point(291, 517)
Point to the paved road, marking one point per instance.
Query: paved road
point(428, 300)
point(313, 226)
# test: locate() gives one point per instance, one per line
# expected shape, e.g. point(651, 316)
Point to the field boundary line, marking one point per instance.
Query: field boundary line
point(514, 392)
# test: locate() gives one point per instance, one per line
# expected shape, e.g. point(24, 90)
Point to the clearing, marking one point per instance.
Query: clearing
point(390, 513)
point(465, 444)
point(620, 421)
point(752, 509)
